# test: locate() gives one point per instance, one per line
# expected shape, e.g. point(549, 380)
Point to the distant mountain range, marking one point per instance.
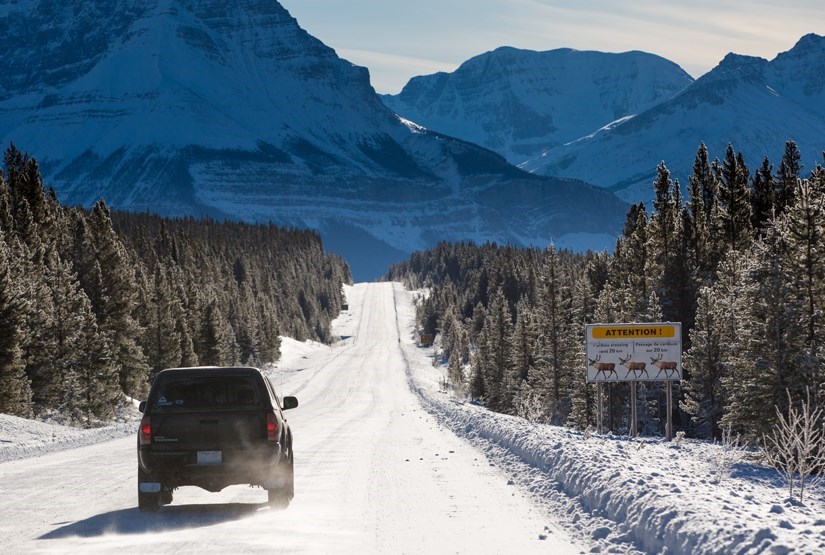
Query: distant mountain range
point(230, 109)
point(752, 103)
point(519, 103)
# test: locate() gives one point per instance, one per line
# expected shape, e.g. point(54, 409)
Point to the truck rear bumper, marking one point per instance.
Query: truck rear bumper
point(180, 468)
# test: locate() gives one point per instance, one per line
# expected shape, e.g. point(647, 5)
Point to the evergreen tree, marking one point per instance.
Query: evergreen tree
point(497, 329)
point(763, 197)
point(212, 340)
point(91, 384)
point(523, 351)
point(635, 252)
point(704, 181)
point(15, 390)
point(480, 362)
point(703, 394)
point(802, 232)
point(558, 341)
point(583, 394)
point(670, 258)
point(116, 303)
point(790, 170)
point(734, 203)
point(768, 359)
point(701, 190)
point(162, 341)
point(78, 347)
point(455, 374)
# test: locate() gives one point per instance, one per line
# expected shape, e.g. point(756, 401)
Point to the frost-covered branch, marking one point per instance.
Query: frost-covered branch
point(796, 447)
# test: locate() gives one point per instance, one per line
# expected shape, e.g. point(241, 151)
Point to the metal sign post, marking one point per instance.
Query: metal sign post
point(634, 423)
point(669, 422)
point(599, 409)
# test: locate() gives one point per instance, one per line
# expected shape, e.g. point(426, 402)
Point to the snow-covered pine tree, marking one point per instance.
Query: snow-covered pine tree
point(116, 303)
point(769, 344)
point(245, 322)
point(632, 257)
point(39, 342)
point(697, 218)
point(70, 308)
point(455, 374)
point(558, 342)
point(668, 263)
point(212, 341)
point(582, 394)
point(15, 390)
point(162, 342)
point(523, 353)
point(91, 385)
point(802, 230)
point(480, 361)
point(703, 362)
point(498, 327)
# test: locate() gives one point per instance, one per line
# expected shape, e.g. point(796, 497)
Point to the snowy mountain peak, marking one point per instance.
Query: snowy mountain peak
point(520, 102)
point(735, 67)
point(811, 40)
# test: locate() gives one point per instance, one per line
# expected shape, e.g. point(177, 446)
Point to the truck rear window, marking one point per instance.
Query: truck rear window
point(208, 392)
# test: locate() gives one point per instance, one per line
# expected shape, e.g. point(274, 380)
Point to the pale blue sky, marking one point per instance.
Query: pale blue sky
point(397, 39)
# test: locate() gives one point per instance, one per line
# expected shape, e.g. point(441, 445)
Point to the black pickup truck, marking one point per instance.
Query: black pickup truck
point(213, 427)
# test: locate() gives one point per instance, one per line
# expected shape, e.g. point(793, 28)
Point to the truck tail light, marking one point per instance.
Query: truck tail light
point(271, 427)
point(145, 431)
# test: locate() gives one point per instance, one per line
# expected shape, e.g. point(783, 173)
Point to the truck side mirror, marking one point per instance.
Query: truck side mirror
point(142, 407)
point(290, 403)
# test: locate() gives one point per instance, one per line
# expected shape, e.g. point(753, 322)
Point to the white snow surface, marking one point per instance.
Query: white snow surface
point(388, 462)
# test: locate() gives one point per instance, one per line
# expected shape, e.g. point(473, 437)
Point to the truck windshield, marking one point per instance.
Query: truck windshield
point(201, 392)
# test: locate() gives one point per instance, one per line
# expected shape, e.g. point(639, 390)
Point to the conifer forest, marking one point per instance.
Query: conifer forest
point(737, 255)
point(93, 303)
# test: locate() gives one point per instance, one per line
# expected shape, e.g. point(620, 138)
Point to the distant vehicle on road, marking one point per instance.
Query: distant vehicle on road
point(213, 427)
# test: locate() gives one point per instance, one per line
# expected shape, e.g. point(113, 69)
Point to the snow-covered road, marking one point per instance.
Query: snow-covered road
point(375, 473)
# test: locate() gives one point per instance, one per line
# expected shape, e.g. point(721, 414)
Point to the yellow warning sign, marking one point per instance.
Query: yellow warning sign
point(633, 332)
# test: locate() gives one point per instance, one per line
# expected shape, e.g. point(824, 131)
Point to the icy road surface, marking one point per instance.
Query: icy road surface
point(375, 473)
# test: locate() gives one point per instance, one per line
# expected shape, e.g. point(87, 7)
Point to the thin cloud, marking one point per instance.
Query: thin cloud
point(388, 70)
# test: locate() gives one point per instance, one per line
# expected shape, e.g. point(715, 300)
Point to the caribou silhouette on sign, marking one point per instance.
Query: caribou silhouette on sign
point(635, 368)
point(669, 368)
point(603, 368)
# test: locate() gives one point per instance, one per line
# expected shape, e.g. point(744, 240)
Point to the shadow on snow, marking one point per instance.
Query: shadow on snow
point(168, 518)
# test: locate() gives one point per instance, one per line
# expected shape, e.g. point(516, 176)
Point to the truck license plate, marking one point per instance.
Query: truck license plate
point(209, 457)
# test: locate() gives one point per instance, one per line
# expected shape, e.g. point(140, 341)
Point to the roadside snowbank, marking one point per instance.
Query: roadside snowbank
point(21, 438)
point(627, 494)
